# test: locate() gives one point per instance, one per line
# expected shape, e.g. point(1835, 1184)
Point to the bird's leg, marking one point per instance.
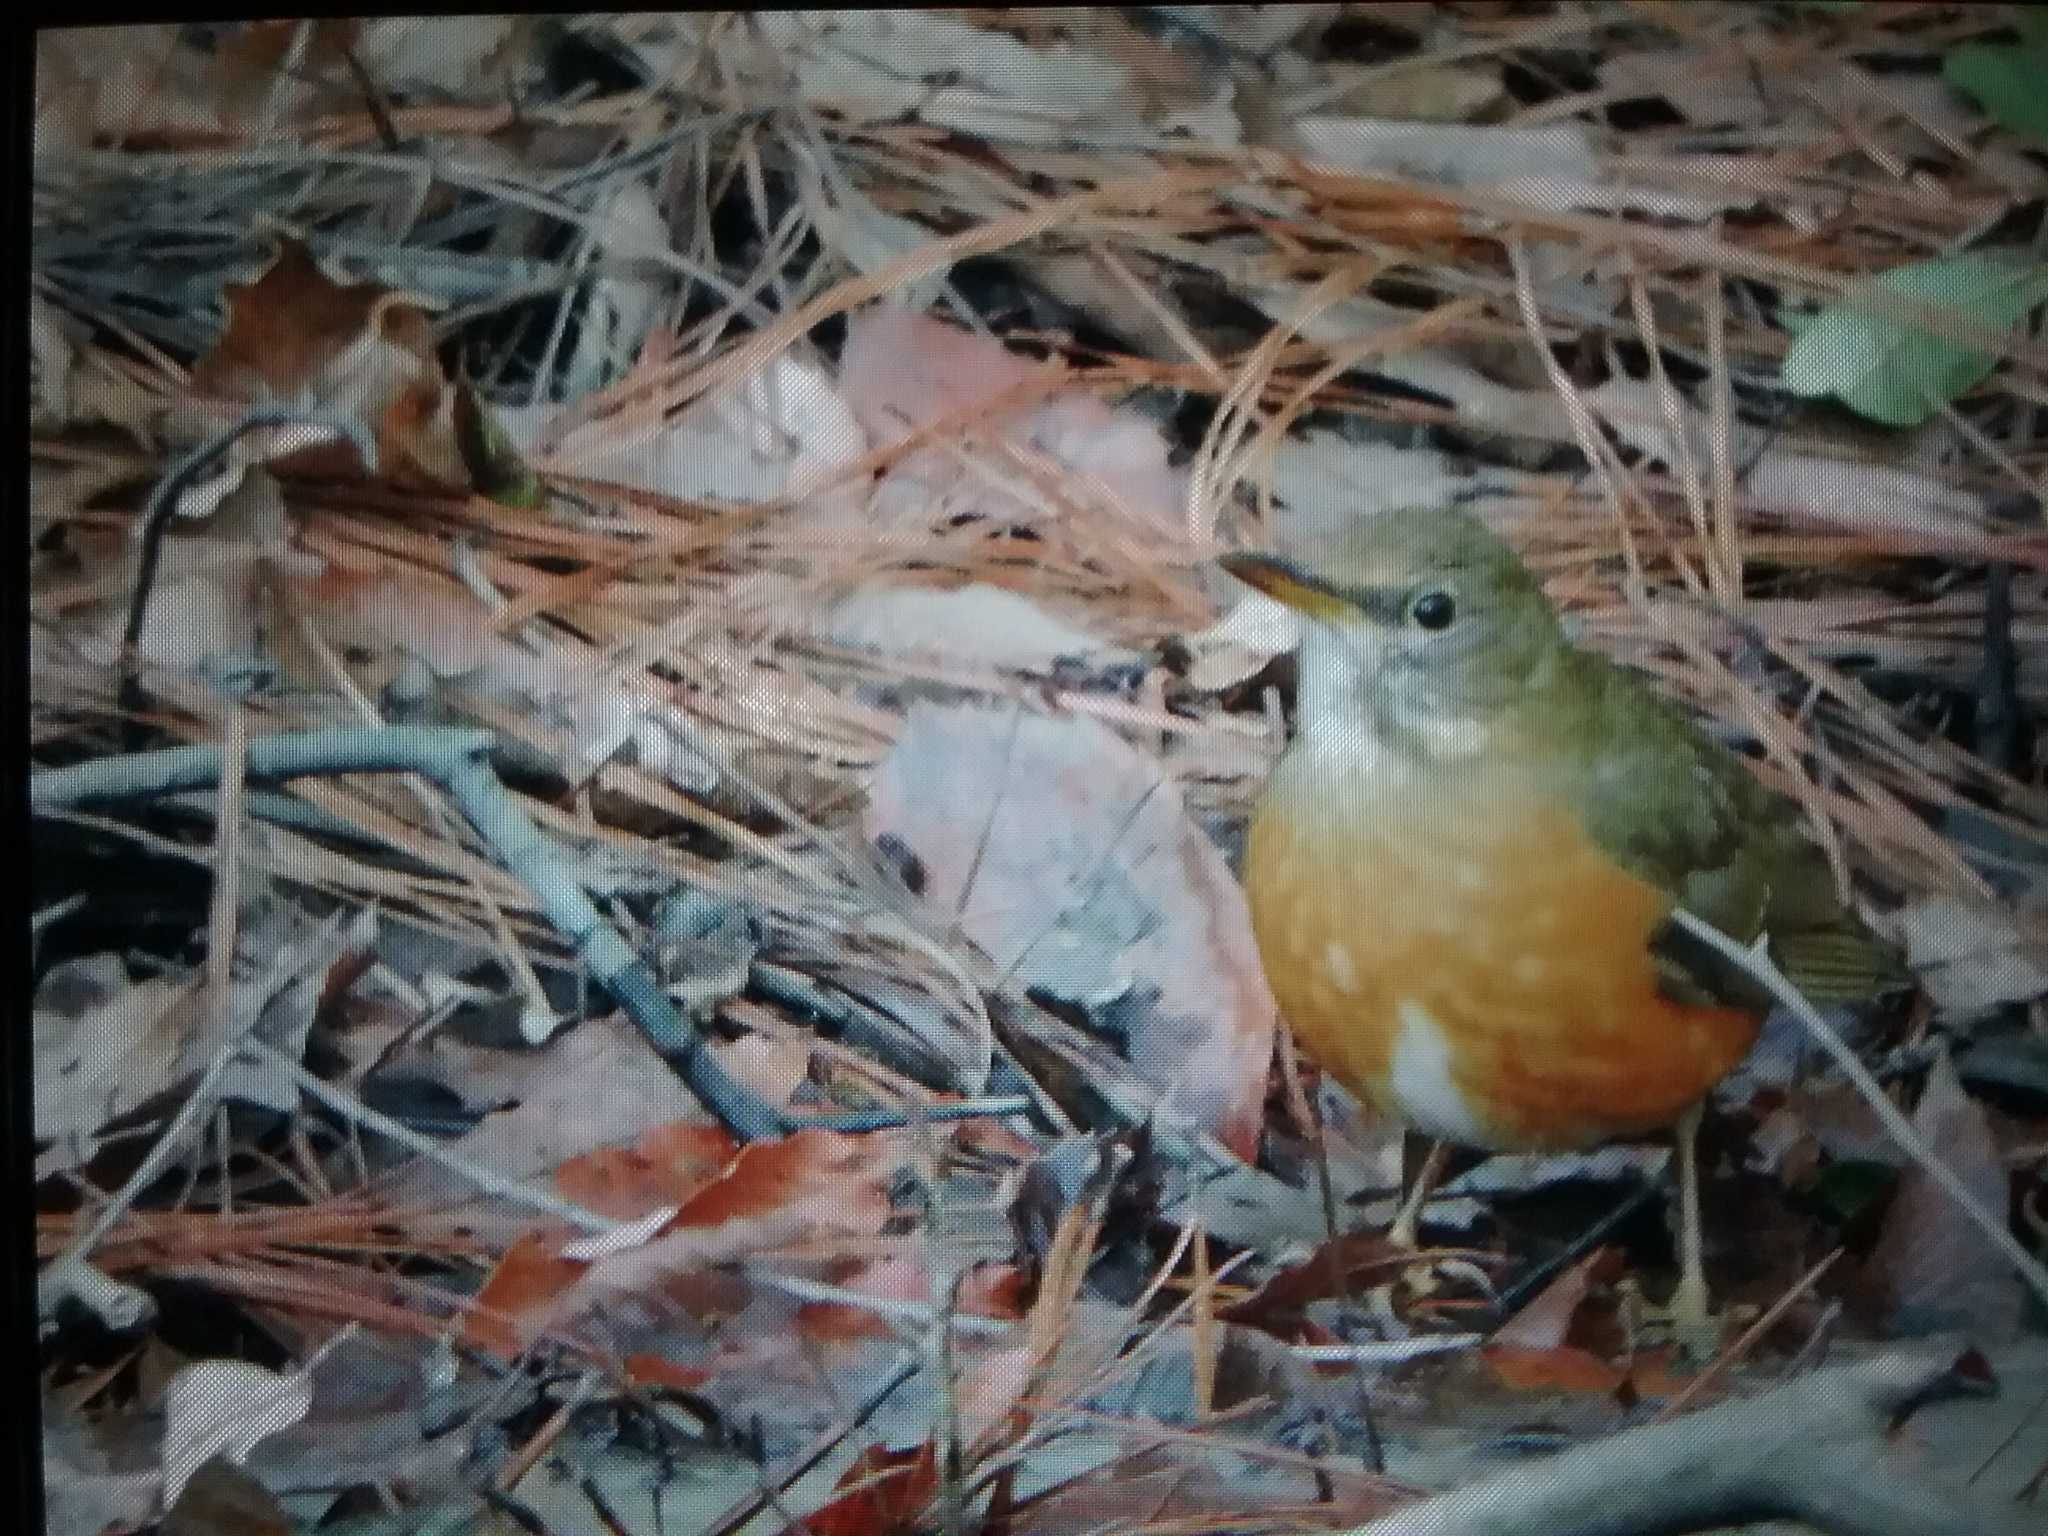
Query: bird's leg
point(1693, 1324)
point(1406, 1232)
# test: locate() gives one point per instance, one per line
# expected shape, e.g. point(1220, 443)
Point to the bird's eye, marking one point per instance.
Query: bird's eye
point(1433, 610)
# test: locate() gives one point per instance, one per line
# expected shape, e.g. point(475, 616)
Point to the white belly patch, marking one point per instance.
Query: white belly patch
point(1420, 1083)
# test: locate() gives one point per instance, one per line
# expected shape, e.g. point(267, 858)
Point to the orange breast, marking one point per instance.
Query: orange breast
point(1475, 965)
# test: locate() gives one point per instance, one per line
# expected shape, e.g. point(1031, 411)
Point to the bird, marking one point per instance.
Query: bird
point(1461, 874)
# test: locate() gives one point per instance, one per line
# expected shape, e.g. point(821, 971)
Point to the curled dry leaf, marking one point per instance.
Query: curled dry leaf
point(106, 1047)
point(358, 351)
point(103, 1045)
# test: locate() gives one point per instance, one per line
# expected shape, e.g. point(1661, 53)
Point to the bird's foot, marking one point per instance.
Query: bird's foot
point(1441, 1283)
point(1421, 1277)
point(1689, 1322)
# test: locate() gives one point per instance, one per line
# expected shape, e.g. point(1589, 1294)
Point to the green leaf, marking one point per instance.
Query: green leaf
point(1851, 1188)
point(495, 468)
point(2008, 83)
point(1897, 373)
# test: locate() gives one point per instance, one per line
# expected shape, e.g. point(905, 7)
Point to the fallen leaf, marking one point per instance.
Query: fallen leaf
point(904, 371)
point(977, 623)
point(805, 1187)
point(556, 679)
point(1556, 1368)
point(1896, 373)
point(1971, 956)
point(1545, 1320)
point(461, 58)
point(657, 1171)
point(596, 1086)
point(1362, 1259)
point(884, 1493)
point(225, 1408)
point(781, 433)
point(2005, 80)
point(524, 1293)
point(971, 79)
point(102, 1046)
point(1072, 861)
point(1932, 1268)
point(150, 85)
point(105, 1048)
point(1846, 492)
point(357, 351)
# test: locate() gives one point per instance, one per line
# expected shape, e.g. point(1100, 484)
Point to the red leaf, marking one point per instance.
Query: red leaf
point(883, 1494)
point(520, 1295)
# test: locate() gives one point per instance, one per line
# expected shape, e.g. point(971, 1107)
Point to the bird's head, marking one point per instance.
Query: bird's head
point(1421, 620)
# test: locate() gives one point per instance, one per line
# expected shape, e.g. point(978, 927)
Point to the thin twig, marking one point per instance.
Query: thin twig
point(1757, 963)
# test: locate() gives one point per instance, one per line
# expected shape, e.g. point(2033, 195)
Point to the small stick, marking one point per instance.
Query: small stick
point(163, 501)
point(1756, 963)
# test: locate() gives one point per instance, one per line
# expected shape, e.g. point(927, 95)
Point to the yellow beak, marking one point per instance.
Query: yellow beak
point(1287, 583)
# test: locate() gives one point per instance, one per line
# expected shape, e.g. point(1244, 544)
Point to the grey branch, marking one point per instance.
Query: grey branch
point(1816, 1449)
point(459, 762)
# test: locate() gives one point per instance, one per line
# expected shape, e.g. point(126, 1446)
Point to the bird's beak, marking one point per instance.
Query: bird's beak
point(1287, 583)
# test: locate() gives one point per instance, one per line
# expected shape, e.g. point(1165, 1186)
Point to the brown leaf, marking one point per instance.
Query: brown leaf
point(661, 1169)
point(1932, 1269)
point(521, 1294)
point(651, 1370)
point(598, 1085)
point(882, 1493)
point(1554, 1369)
point(1546, 1320)
point(1568, 1368)
point(1362, 1258)
point(359, 351)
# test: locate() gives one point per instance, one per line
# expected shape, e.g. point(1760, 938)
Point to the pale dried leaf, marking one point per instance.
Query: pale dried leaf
point(226, 1408)
point(466, 58)
point(904, 371)
point(103, 1045)
point(977, 623)
point(1852, 493)
point(1970, 955)
point(1252, 631)
point(1058, 844)
point(1554, 166)
point(987, 84)
point(1323, 484)
point(775, 436)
